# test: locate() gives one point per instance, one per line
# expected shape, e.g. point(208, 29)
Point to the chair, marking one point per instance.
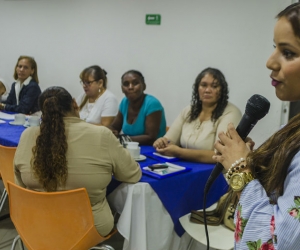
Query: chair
point(54, 220)
point(3, 196)
point(6, 169)
point(220, 237)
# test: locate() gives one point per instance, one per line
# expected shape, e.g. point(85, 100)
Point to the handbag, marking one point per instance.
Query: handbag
point(222, 214)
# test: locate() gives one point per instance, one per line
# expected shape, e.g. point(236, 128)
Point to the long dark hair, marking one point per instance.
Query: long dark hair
point(196, 103)
point(49, 161)
point(270, 162)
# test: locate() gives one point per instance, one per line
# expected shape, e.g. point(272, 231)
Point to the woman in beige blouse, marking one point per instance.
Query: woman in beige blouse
point(67, 153)
point(193, 133)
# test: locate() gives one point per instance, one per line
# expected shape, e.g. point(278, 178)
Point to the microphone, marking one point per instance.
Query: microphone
point(257, 107)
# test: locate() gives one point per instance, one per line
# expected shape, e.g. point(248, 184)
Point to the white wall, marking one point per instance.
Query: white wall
point(64, 37)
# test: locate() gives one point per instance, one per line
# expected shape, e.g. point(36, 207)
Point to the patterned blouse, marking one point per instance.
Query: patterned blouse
point(264, 222)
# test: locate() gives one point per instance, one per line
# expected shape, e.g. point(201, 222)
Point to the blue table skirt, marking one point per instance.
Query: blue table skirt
point(184, 192)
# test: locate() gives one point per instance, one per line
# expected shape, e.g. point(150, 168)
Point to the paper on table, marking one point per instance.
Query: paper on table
point(164, 156)
point(6, 116)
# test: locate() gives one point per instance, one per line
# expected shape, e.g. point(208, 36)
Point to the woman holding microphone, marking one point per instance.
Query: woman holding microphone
point(267, 179)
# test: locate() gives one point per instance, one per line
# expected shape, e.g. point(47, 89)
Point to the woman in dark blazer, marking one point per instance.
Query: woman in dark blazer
point(24, 93)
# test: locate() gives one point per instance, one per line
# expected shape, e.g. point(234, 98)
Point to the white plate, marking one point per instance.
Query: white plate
point(13, 123)
point(141, 158)
point(1, 121)
point(27, 125)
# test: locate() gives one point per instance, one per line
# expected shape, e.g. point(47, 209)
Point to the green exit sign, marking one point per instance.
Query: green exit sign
point(153, 19)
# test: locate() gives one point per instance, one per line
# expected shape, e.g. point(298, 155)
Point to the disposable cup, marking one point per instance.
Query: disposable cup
point(20, 119)
point(34, 121)
point(135, 152)
point(132, 144)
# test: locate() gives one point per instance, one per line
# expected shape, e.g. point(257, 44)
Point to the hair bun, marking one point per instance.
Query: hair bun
point(104, 71)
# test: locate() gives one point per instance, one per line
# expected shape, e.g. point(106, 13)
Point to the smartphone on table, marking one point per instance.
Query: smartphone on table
point(158, 166)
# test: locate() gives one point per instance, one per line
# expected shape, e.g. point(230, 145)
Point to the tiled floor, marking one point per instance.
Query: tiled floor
point(8, 232)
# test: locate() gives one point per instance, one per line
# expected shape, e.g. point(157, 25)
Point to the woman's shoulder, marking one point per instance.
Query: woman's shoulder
point(150, 99)
point(99, 134)
point(185, 111)
point(13, 84)
point(295, 163)
point(109, 95)
point(124, 102)
point(230, 107)
point(33, 84)
point(30, 134)
point(77, 124)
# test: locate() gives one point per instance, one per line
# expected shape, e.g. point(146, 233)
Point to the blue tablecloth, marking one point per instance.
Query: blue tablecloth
point(10, 134)
point(179, 194)
point(184, 192)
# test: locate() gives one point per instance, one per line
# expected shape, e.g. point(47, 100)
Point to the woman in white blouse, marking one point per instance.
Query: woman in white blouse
point(97, 104)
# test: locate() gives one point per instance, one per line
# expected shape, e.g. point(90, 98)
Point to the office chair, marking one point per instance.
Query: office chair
point(6, 169)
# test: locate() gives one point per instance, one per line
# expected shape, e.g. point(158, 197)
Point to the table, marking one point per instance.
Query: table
point(150, 210)
point(10, 134)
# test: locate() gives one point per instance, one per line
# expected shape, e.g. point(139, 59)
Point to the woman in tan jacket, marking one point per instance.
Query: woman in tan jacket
point(67, 153)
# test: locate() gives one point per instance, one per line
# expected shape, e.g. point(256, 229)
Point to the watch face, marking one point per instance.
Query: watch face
point(237, 182)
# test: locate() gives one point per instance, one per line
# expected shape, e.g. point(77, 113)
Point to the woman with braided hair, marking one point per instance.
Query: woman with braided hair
point(193, 133)
point(67, 153)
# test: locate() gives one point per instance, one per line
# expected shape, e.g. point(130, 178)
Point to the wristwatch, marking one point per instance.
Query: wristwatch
point(239, 180)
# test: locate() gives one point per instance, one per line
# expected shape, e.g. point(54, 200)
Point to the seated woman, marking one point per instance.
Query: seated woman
point(97, 104)
point(24, 93)
point(193, 133)
point(140, 116)
point(67, 153)
point(3, 95)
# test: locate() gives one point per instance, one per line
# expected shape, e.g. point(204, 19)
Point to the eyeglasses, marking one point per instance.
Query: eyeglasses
point(87, 83)
point(134, 83)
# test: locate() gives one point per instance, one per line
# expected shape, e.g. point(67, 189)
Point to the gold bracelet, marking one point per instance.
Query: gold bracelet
point(235, 167)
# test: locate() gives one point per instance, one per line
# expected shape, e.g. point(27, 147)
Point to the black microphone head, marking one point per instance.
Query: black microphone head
point(257, 107)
